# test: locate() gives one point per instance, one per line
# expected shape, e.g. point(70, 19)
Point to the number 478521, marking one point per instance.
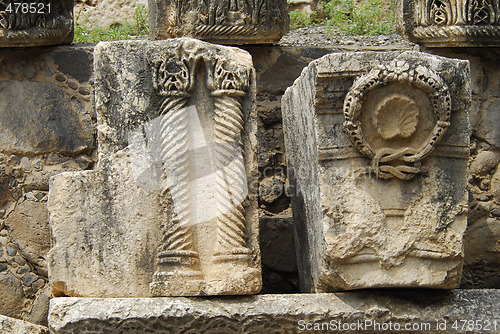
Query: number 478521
point(28, 8)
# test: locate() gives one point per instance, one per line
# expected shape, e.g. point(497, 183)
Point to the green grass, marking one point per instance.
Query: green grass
point(365, 17)
point(88, 33)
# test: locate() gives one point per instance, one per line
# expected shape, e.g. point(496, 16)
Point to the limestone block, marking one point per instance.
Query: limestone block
point(230, 22)
point(353, 312)
point(15, 326)
point(450, 23)
point(171, 208)
point(378, 170)
point(35, 23)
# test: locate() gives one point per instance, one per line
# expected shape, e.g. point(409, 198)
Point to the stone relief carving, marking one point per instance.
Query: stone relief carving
point(173, 77)
point(396, 116)
point(228, 21)
point(379, 170)
point(35, 23)
point(450, 22)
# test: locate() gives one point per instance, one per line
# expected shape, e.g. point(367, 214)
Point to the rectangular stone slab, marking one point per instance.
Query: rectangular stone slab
point(171, 208)
point(36, 23)
point(377, 150)
point(319, 313)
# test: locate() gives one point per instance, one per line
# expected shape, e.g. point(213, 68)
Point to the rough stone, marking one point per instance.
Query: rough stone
point(37, 112)
point(195, 199)
point(237, 22)
point(105, 13)
point(394, 124)
point(11, 290)
point(16, 326)
point(449, 23)
point(484, 162)
point(36, 24)
point(29, 228)
point(318, 313)
point(277, 244)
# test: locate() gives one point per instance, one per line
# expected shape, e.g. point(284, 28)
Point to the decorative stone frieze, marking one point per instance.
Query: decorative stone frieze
point(378, 170)
point(229, 22)
point(35, 22)
point(450, 23)
point(352, 312)
point(176, 177)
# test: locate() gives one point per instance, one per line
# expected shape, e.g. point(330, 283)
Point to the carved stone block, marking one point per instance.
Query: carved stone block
point(377, 150)
point(230, 22)
point(450, 23)
point(35, 22)
point(353, 312)
point(171, 208)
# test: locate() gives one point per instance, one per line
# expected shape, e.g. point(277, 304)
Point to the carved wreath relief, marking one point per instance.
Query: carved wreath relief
point(36, 22)
point(390, 140)
point(174, 74)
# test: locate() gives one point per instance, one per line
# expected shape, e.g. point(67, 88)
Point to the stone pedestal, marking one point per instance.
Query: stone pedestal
point(353, 312)
point(171, 209)
point(377, 150)
point(231, 22)
point(36, 23)
point(450, 23)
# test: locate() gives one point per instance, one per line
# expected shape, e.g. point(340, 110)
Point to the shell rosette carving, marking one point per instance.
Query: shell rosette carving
point(396, 116)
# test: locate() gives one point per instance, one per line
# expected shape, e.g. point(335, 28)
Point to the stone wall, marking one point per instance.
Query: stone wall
point(47, 123)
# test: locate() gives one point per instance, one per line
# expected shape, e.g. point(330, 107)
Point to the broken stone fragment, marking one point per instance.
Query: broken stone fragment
point(36, 23)
point(171, 209)
point(225, 22)
point(378, 170)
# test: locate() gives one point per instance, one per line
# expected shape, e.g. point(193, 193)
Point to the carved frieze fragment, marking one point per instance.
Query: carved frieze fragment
point(450, 23)
point(174, 190)
point(36, 22)
point(378, 171)
point(231, 22)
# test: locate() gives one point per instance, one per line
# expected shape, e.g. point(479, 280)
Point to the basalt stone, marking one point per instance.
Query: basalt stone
point(36, 23)
point(232, 22)
point(171, 208)
point(377, 151)
point(450, 23)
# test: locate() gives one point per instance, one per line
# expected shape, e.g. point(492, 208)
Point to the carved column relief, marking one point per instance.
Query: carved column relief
point(230, 85)
point(180, 269)
point(172, 79)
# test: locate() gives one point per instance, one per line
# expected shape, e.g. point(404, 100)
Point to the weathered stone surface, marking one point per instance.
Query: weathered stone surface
point(225, 22)
point(15, 326)
point(105, 13)
point(177, 157)
point(42, 107)
point(379, 170)
point(450, 23)
point(417, 312)
point(36, 23)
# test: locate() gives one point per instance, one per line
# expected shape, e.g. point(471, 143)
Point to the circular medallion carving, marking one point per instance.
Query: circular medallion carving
point(396, 116)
